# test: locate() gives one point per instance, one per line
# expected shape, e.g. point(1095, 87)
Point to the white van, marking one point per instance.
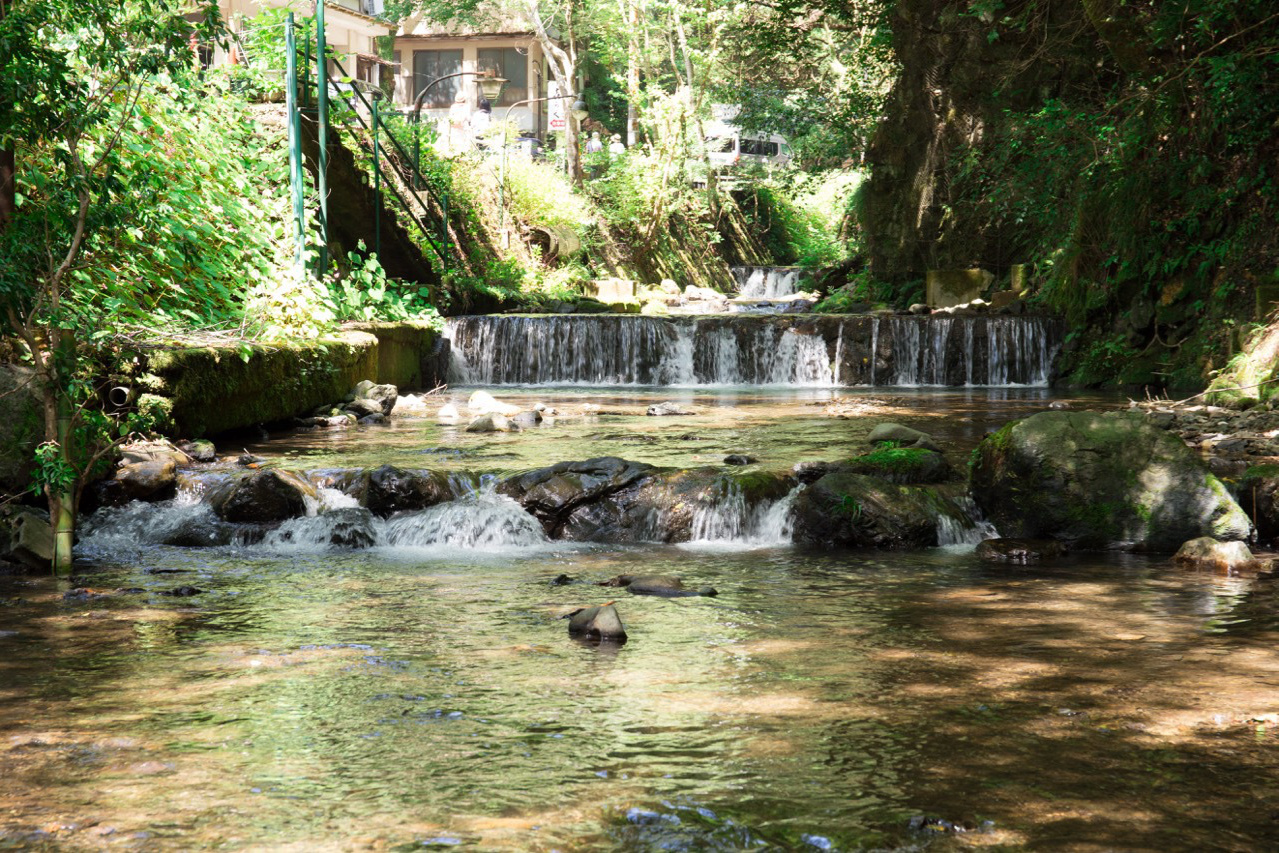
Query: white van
point(731, 147)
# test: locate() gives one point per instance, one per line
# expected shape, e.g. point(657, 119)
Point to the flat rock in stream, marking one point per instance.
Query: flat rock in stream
point(662, 410)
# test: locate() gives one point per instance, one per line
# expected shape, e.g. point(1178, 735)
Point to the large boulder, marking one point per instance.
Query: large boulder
point(843, 509)
point(1103, 481)
point(552, 494)
point(262, 497)
point(388, 489)
point(147, 481)
point(383, 396)
point(1208, 553)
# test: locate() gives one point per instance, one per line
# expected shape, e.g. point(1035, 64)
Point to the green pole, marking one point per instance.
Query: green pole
point(306, 64)
point(322, 108)
point(295, 139)
point(377, 186)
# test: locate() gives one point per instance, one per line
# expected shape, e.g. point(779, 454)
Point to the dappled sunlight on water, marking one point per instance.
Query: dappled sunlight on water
point(353, 701)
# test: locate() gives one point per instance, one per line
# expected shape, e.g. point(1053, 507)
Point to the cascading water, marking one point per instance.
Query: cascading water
point(483, 521)
point(966, 529)
point(613, 350)
point(766, 282)
point(815, 351)
point(478, 520)
point(731, 521)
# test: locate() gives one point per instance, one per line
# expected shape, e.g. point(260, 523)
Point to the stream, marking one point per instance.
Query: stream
point(423, 693)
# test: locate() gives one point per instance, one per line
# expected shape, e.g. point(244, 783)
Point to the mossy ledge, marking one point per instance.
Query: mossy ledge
point(203, 391)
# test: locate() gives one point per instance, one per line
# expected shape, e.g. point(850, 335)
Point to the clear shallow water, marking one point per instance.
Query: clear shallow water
point(777, 426)
point(425, 693)
point(382, 699)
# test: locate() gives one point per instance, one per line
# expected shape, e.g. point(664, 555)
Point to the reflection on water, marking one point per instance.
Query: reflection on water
point(778, 426)
point(385, 698)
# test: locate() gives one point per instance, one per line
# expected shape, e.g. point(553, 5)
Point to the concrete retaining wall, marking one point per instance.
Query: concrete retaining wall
point(206, 390)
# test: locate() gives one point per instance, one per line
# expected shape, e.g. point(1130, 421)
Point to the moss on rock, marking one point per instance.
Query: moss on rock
point(1100, 481)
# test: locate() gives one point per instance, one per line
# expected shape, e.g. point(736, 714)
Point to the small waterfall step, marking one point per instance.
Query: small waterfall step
point(792, 350)
point(767, 281)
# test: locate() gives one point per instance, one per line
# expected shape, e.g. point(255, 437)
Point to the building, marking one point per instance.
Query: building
point(350, 27)
point(426, 50)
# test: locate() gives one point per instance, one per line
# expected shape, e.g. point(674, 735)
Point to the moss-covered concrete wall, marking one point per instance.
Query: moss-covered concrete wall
point(200, 391)
point(21, 427)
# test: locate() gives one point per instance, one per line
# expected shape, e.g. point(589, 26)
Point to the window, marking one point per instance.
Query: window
point(508, 62)
point(720, 144)
point(759, 147)
point(430, 65)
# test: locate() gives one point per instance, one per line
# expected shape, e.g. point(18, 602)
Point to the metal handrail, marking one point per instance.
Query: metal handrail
point(439, 247)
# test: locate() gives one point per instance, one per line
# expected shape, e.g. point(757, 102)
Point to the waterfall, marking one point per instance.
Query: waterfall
point(481, 521)
point(729, 520)
point(966, 529)
point(930, 350)
point(766, 282)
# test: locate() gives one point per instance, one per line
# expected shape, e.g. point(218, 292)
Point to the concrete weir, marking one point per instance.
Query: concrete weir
point(808, 350)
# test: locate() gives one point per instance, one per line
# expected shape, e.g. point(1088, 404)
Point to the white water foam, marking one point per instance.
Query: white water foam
point(729, 523)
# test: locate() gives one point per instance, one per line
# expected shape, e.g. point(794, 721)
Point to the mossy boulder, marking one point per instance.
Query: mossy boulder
point(903, 465)
point(1100, 481)
point(843, 509)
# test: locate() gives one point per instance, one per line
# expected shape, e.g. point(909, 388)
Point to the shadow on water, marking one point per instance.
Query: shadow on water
point(393, 698)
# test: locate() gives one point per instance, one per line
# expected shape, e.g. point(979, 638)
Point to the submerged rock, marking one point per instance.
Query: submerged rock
point(666, 586)
point(844, 509)
point(1018, 551)
point(262, 497)
point(527, 420)
point(1095, 480)
point(902, 435)
point(601, 622)
point(1208, 553)
point(739, 459)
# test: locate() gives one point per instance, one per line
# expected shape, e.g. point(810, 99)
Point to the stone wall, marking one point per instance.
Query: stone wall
point(206, 390)
point(20, 427)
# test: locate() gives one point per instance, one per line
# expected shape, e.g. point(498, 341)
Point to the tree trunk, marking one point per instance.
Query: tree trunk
point(632, 72)
point(8, 186)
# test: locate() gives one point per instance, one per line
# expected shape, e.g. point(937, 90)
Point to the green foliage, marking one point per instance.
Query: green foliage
point(1158, 173)
point(192, 216)
point(363, 293)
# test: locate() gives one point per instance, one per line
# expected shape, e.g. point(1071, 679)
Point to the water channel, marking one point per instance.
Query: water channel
point(422, 693)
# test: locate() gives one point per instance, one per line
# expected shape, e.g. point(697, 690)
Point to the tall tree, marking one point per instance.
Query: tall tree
point(71, 73)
